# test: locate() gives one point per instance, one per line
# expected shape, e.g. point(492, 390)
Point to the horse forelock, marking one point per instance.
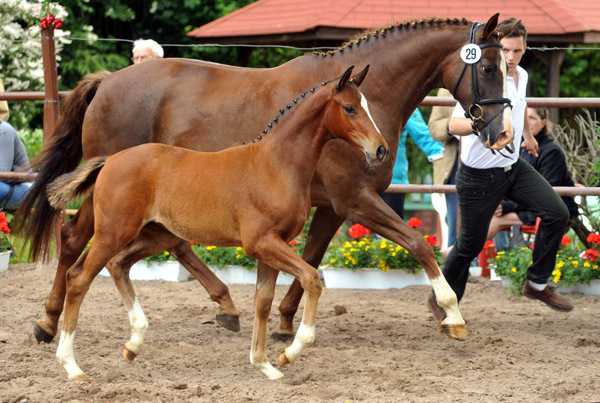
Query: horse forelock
point(366, 35)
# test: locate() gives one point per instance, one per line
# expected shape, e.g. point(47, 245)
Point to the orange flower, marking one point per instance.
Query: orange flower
point(356, 231)
point(414, 222)
point(431, 239)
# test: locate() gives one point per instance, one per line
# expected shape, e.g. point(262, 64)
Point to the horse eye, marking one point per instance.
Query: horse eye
point(489, 70)
point(349, 110)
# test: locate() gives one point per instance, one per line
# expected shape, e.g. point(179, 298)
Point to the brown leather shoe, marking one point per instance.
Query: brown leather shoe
point(436, 310)
point(548, 296)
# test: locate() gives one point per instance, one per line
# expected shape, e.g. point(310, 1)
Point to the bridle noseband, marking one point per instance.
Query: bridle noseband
point(475, 110)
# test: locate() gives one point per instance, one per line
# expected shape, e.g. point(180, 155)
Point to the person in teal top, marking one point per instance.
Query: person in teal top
point(417, 129)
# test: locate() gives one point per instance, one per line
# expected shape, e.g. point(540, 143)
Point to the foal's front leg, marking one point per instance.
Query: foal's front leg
point(275, 253)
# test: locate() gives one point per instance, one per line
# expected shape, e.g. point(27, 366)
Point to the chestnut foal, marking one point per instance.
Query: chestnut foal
point(255, 195)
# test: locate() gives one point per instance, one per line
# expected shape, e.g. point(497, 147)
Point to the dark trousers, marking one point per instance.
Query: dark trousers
point(479, 194)
point(395, 201)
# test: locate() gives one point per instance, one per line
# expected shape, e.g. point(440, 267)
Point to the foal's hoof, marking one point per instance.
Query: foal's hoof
point(457, 332)
point(280, 336)
point(283, 360)
point(229, 322)
point(41, 335)
point(129, 355)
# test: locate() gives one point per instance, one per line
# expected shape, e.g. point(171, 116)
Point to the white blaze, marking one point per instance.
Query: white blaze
point(365, 105)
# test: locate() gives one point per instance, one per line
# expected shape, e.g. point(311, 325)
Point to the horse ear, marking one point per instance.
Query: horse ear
point(345, 77)
point(359, 78)
point(490, 26)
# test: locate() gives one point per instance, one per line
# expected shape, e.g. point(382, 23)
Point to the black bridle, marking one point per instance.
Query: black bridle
point(475, 110)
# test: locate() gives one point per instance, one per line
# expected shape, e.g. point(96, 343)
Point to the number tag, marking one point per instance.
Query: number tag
point(470, 53)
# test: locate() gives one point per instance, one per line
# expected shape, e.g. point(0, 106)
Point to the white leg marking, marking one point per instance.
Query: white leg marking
point(305, 336)
point(266, 368)
point(446, 298)
point(65, 355)
point(365, 105)
point(138, 324)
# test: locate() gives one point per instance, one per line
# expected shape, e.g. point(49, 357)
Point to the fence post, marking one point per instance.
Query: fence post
point(51, 106)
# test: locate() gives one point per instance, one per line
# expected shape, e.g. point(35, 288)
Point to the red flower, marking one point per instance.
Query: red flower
point(44, 22)
point(594, 238)
point(414, 222)
point(531, 246)
point(431, 239)
point(356, 231)
point(50, 18)
point(591, 255)
point(49, 21)
point(565, 240)
point(58, 24)
point(489, 245)
point(293, 242)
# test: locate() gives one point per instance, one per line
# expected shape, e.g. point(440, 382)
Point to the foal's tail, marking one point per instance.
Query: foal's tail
point(73, 184)
point(34, 220)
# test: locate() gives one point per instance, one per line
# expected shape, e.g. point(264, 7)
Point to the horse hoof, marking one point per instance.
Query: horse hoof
point(129, 355)
point(229, 322)
point(283, 360)
point(285, 337)
point(41, 335)
point(79, 377)
point(457, 332)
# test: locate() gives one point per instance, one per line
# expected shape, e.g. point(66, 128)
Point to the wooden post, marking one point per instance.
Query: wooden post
point(51, 106)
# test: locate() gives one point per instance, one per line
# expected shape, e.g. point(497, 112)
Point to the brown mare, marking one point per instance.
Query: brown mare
point(222, 198)
point(206, 106)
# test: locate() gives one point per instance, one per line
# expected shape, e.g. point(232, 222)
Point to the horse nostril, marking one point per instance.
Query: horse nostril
point(381, 153)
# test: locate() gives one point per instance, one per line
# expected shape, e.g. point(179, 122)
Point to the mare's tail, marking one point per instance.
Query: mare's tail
point(73, 184)
point(35, 218)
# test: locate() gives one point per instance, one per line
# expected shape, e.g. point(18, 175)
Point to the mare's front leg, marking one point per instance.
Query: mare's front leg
point(263, 299)
point(276, 253)
point(228, 316)
point(322, 229)
point(375, 214)
point(74, 237)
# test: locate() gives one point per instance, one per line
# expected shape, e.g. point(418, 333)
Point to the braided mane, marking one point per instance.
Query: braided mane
point(287, 109)
point(383, 31)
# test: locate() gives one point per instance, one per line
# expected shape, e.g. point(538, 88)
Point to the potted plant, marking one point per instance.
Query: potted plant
point(576, 270)
point(367, 262)
point(5, 246)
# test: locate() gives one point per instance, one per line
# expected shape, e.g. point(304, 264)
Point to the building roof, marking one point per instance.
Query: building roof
point(281, 21)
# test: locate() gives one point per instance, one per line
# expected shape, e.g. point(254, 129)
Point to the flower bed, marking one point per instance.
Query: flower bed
point(575, 267)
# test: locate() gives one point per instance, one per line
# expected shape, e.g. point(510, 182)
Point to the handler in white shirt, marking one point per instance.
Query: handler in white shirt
point(484, 178)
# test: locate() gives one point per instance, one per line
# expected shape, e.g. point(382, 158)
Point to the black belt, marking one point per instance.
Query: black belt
point(487, 171)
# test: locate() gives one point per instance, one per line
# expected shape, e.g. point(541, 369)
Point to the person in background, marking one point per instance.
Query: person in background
point(484, 178)
point(4, 114)
point(418, 131)
point(146, 49)
point(13, 157)
point(551, 163)
point(444, 169)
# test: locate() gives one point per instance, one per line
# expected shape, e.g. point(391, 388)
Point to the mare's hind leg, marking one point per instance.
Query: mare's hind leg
point(263, 299)
point(74, 237)
point(228, 316)
point(323, 227)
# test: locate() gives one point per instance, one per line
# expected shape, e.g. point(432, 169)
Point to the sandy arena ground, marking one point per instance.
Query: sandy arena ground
point(384, 349)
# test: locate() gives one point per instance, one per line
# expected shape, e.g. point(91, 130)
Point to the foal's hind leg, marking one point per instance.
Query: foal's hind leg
point(228, 316)
point(322, 229)
point(74, 237)
point(137, 319)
